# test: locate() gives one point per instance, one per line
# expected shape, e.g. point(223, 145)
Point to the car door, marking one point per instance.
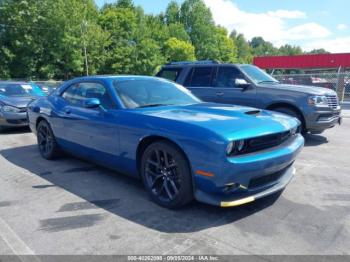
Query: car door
point(88, 130)
point(228, 92)
point(199, 82)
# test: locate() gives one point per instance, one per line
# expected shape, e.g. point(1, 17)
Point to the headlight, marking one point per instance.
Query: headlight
point(318, 101)
point(230, 148)
point(10, 109)
point(235, 147)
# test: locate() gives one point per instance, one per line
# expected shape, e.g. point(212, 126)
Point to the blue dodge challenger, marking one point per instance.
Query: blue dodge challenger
point(181, 147)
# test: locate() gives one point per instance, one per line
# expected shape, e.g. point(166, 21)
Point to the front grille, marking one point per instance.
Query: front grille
point(265, 180)
point(264, 142)
point(332, 101)
point(328, 117)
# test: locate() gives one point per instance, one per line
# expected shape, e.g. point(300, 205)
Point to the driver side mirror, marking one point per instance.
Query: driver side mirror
point(240, 82)
point(92, 103)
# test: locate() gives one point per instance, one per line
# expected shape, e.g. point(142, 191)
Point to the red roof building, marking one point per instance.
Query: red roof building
point(311, 61)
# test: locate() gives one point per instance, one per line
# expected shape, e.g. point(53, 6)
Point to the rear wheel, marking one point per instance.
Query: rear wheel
point(293, 113)
point(48, 147)
point(166, 175)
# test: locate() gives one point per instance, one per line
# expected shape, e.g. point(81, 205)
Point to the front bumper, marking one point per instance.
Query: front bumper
point(279, 186)
point(248, 196)
point(247, 178)
point(322, 119)
point(13, 119)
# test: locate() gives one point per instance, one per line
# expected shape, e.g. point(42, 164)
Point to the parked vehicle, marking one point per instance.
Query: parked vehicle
point(317, 108)
point(14, 98)
point(47, 86)
point(308, 80)
point(181, 147)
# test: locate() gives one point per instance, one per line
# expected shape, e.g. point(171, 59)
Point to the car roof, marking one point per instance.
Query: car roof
point(116, 77)
point(14, 82)
point(200, 64)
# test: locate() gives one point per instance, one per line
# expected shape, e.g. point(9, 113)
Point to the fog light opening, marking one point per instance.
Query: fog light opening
point(230, 188)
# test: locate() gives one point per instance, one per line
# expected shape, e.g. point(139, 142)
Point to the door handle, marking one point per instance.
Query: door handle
point(68, 111)
point(220, 93)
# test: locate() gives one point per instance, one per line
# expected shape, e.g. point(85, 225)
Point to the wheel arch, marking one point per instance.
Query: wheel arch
point(38, 120)
point(148, 140)
point(289, 106)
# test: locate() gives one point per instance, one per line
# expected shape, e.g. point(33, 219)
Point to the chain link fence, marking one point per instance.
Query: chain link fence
point(339, 82)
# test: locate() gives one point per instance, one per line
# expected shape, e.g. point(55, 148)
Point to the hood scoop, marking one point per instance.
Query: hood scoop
point(253, 112)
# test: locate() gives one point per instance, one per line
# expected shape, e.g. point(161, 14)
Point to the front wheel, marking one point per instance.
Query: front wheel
point(48, 147)
point(166, 175)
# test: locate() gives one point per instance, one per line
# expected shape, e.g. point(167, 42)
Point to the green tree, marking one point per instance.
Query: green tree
point(63, 39)
point(125, 4)
point(178, 31)
point(290, 50)
point(46, 39)
point(172, 13)
point(199, 24)
point(150, 36)
point(178, 50)
point(318, 51)
point(261, 47)
point(20, 38)
point(121, 23)
point(244, 51)
point(71, 29)
point(136, 40)
point(225, 47)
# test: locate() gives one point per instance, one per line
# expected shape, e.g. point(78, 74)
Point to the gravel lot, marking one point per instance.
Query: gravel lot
point(72, 207)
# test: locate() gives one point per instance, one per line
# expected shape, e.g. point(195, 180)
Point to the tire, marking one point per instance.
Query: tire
point(293, 113)
point(47, 144)
point(166, 175)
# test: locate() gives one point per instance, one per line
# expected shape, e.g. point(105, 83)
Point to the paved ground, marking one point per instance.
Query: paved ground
point(72, 207)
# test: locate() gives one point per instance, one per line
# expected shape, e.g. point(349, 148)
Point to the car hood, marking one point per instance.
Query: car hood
point(312, 90)
point(231, 122)
point(19, 101)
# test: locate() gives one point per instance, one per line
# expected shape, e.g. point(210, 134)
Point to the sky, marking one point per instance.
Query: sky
point(311, 24)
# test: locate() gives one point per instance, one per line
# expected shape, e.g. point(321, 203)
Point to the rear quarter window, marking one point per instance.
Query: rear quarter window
point(170, 74)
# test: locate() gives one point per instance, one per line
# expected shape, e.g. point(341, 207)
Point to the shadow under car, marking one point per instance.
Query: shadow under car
point(122, 195)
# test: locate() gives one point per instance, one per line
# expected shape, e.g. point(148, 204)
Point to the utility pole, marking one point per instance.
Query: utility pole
point(84, 26)
point(341, 84)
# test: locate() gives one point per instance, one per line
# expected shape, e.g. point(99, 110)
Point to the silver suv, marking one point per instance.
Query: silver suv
point(317, 108)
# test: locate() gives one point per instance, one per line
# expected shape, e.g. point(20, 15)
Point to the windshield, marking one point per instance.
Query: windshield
point(257, 75)
point(20, 90)
point(137, 93)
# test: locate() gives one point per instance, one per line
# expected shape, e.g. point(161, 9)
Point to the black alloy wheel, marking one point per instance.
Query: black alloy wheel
point(46, 141)
point(166, 175)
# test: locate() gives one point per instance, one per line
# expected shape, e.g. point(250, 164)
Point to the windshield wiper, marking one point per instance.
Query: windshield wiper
point(154, 105)
point(268, 81)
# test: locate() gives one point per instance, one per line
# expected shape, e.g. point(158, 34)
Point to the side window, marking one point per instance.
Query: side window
point(227, 76)
point(201, 77)
point(170, 74)
point(76, 94)
point(70, 95)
